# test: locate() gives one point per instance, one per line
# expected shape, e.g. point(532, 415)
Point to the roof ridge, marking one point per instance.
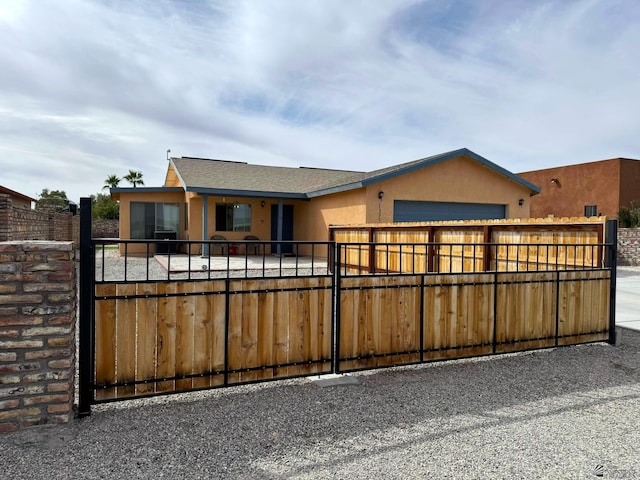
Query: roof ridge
point(212, 160)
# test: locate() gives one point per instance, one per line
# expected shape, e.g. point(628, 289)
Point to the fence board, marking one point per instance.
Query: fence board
point(266, 323)
point(166, 336)
point(281, 331)
point(250, 313)
point(105, 341)
point(147, 337)
point(185, 319)
point(235, 332)
point(125, 338)
point(203, 336)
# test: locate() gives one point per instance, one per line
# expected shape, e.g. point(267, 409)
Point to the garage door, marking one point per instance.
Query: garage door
point(412, 211)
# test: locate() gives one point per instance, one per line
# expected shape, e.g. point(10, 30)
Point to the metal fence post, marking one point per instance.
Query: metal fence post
point(85, 361)
point(335, 323)
point(611, 239)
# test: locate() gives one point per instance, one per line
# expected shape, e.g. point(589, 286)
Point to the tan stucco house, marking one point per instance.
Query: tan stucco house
point(201, 198)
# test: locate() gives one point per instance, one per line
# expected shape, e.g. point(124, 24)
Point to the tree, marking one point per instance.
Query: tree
point(104, 207)
point(112, 181)
point(134, 177)
point(52, 200)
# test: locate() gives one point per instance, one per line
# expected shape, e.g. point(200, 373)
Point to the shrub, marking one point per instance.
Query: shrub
point(629, 217)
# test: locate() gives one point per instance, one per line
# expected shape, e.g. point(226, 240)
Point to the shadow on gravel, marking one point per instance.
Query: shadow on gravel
point(296, 429)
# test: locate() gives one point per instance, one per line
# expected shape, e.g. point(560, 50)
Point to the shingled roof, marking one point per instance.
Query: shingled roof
point(223, 177)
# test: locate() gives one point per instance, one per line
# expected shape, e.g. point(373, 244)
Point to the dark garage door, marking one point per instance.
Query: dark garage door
point(412, 211)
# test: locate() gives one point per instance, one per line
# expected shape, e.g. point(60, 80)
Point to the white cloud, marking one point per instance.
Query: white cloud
point(90, 88)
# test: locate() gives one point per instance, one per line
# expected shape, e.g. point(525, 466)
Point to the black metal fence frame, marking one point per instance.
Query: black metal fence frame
point(335, 270)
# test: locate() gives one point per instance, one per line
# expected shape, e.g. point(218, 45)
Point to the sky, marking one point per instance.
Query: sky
point(91, 88)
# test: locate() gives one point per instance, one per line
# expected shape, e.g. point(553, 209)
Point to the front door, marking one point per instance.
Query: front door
point(287, 229)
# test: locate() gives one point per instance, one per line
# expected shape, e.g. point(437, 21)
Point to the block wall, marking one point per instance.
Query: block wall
point(37, 333)
point(629, 246)
point(25, 224)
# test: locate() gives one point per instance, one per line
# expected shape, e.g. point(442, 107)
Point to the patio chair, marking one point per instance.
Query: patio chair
point(223, 246)
point(256, 247)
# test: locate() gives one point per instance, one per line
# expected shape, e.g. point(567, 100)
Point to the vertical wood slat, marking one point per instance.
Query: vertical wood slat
point(249, 342)
point(166, 346)
point(126, 338)
point(105, 341)
point(203, 333)
point(185, 325)
point(146, 355)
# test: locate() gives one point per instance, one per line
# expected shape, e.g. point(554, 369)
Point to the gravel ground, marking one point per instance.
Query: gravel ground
point(138, 268)
point(556, 413)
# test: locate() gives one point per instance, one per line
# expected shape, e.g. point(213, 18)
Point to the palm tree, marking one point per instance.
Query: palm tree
point(112, 181)
point(134, 177)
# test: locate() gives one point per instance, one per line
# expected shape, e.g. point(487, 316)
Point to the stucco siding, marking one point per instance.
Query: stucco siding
point(457, 180)
point(125, 212)
point(629, 182)
point(574, 187)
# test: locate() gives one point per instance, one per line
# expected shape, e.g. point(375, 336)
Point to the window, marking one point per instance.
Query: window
point(234, 217)
point(590, 210)
point(150, 217)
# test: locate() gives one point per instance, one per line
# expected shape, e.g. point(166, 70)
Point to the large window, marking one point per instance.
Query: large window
point(233, 217)
point(150, 217)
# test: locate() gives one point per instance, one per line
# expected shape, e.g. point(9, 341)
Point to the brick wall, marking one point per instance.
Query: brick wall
point(101, 228)
point(25, 224)
point(629, 246)
point(37, 333)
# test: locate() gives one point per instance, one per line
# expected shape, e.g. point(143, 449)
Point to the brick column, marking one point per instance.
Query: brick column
point(37, 333)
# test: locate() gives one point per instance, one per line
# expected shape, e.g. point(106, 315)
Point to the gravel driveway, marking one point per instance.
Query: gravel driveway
point(556, 413)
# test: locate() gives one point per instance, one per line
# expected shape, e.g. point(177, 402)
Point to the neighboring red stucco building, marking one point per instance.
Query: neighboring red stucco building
point(585, 189)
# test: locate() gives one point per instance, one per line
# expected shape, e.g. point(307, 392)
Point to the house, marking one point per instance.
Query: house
point(201, 198)
point(585, 189)
point(18, 200)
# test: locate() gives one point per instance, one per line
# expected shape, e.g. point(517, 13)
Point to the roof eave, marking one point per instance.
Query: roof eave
point(338, 189)
point(448, 156)
point(228, 192)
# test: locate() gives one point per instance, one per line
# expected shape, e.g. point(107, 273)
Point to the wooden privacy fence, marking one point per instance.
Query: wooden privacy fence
point(472, 246)
point(165, 337)
point(140, 337)
point(394, 320)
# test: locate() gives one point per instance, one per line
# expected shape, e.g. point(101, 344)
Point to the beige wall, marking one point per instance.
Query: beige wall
point(172, 180)
point(125, 212)
point(456, 180)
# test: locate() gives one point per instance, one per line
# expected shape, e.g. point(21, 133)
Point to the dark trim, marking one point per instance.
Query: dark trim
point(338, 189)
point(226, 192)
point(146, 190)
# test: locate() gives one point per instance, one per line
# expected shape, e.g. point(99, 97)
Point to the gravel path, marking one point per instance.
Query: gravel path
point(555, 413)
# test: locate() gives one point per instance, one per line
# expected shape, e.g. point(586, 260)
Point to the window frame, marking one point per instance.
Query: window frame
point(229, 218)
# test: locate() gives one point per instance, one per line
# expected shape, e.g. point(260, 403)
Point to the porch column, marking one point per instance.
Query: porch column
point(279, 227)
point(205, 230)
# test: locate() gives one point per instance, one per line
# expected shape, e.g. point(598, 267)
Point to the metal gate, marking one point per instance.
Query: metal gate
point(260, 317)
